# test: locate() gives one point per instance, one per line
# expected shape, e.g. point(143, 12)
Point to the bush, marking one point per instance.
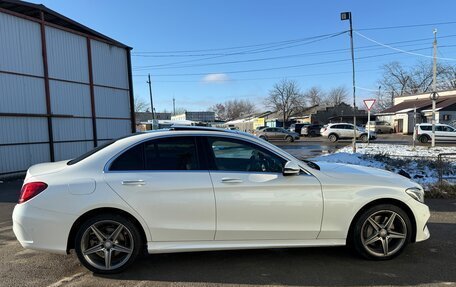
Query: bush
point(441, 190)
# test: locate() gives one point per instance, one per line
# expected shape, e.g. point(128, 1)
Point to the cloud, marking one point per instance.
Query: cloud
point(216, 78)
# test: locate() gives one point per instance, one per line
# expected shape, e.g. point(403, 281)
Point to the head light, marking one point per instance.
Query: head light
point(416, 193)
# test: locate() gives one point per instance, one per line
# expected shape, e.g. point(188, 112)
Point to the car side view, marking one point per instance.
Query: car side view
point(443, 133)
point(269, 133)
point(194, 189)
point(335, 132)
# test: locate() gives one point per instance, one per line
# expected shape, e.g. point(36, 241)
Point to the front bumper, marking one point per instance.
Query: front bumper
point(41, 229)
point(422, 214)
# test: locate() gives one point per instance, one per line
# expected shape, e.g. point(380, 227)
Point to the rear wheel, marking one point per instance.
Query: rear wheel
point(424, 139)
point(379, 131)
point(332, 138)
point(107, 243)
point(263, 138)
point(381, 232)
point(289, 139)
point(363, 138)
point(312, 133)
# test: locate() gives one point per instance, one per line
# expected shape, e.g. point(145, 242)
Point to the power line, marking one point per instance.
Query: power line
point(253, 51)
point(237, 47)
point(287, 67)
point(333, 51)
point(406, 26)
point(263, 78)
point(327, 52)
point(400, 50)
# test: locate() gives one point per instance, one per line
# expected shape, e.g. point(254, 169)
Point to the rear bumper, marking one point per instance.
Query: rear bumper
point(41, 229)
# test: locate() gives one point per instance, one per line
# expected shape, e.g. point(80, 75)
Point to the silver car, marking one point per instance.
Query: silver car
point(276, 134)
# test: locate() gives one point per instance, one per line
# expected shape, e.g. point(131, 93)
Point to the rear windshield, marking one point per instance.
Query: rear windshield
point(97, 149)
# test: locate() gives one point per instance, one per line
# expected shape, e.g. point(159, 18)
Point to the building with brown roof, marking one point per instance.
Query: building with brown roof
point(413, 109)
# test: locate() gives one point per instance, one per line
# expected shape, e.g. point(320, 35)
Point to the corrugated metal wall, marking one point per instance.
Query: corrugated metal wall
point(24, 127)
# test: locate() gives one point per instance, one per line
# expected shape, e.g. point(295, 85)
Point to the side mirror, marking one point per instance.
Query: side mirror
point(291, 168)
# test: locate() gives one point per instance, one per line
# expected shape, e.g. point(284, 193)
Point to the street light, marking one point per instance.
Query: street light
point(347, 16)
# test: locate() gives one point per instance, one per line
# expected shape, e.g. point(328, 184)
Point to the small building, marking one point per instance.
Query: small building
point(249, 123)
point(205, 117)
point(64, 88)
point(413, 109)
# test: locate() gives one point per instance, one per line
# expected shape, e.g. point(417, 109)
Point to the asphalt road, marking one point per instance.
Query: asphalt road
point(432, 262)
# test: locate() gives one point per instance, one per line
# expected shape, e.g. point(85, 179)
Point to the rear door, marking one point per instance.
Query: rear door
point(168, 184)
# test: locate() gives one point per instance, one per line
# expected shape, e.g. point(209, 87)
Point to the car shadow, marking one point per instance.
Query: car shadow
point(431, 261)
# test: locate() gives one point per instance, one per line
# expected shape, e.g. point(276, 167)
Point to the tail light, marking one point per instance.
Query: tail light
point(30, 190)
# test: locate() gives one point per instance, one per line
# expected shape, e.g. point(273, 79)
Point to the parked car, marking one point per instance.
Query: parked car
point(311, 130)
point(381, 127)
point(194, 188)
point(335, 132)
point(297, 128)
point(443, 133)
point(277, 134)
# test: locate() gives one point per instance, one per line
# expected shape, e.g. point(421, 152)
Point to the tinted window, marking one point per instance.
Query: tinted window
point(177, 153)
point(132, 159)
point(235, 155)
point(426, 128)
point(174, 153)
point(337, 127)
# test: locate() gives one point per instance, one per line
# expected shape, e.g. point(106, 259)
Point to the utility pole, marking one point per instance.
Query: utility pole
point(347, 16)
point(174, 106)
point(151, 100)
point(434, 95)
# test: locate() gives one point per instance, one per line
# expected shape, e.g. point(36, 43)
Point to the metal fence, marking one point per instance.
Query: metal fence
point(446, 166)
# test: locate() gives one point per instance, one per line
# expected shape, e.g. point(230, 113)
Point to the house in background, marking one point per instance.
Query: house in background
point(413, 109)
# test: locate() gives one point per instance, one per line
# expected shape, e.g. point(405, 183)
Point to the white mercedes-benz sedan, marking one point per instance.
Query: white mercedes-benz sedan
point(193, 189)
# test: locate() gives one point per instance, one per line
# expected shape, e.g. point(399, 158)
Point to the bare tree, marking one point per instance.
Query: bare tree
point(315, 96)
point(233, 109)
point(286, 98)
point(398, 81)
point(337, 96)
point(140, 104)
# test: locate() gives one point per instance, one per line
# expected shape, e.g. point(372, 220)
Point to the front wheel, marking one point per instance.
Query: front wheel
point(289, 139)
point(364, 138)
point(107, 243)
point(381, 232)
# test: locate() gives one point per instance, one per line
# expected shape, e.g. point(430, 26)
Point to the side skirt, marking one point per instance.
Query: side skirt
point(189, 246)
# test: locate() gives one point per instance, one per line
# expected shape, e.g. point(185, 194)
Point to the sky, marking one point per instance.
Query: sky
point(203, 52)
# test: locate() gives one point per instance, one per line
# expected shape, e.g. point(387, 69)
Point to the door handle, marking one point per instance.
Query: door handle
point(133, 182)
point(231, 180)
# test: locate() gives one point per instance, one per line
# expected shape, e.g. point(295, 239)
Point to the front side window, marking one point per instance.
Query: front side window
point(236, 155)
point(174, 153)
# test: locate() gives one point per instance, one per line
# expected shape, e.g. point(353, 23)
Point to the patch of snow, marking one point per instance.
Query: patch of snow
point(419, 163)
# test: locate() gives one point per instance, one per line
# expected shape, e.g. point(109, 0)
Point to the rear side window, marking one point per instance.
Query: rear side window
point(174, 153)
point(177, 153)
point(426, 128)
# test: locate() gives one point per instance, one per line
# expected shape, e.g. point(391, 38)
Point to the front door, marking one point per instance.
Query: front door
point(165, 182)
point(255, 201)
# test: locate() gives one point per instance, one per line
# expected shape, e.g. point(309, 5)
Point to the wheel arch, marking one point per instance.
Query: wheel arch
point(97, 211)
point(392, 201)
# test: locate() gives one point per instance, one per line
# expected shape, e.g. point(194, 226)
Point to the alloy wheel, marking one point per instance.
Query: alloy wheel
point(107, 244)
point(383, 233)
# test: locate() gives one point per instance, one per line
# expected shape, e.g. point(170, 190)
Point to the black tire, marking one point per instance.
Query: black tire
point(391, 131)
point(333, 138)
point(312, 133)
point(263, 138)
point(379, 131)
point(424, 139)
point(401, 226)
point(363, 138)
point(289, 139)
point(128, 237)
